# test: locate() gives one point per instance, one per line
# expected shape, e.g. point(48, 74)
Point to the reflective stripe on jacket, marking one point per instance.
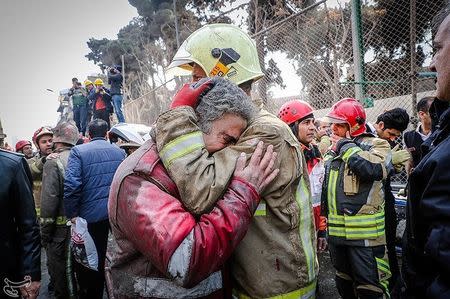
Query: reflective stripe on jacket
point(354, 191)
point(281, 238)
point(53, 220)
point(36, 167)
point(160, 249)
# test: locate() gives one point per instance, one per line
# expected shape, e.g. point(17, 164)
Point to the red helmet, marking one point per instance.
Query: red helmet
point(349, 111)
point(41, 131)
point(21, 144)
point(294, 110)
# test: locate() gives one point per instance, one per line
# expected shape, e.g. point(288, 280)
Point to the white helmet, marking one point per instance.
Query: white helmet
point(221, 50)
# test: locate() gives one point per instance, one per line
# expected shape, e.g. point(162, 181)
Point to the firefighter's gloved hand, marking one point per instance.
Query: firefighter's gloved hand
point(400, 156)
point(191, 94)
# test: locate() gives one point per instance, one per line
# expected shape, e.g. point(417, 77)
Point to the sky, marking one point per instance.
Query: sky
point(43, 44)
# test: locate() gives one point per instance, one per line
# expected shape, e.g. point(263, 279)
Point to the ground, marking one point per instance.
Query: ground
point(327, 287)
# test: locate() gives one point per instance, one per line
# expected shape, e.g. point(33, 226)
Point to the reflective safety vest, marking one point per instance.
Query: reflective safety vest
point(355, 206)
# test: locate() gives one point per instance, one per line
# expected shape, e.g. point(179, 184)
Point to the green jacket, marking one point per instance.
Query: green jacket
point(79, 96)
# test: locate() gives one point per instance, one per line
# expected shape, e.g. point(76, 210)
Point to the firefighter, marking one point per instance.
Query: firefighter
point(353, 200)
point(43, 140)
point(299, 116)
point(277, 257)
point(158, 243)
point(24, 147)
point(54, 230)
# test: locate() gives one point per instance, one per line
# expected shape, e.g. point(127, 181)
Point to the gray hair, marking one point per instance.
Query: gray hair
point(439, 18)
point(224, 97)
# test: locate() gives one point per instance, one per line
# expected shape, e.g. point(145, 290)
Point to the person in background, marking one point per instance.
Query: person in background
point(89, 173)
point(54, 230)
point(24, 147)
point(90, 91)
point(20, 243)
point(101, 102)
point(79, 105)
point(413, 139)
point(43, 140)
point(427, 251)
point(389, 126)
point(323, 133)
point(299, 116)
point(353, 200)
point(115, 80)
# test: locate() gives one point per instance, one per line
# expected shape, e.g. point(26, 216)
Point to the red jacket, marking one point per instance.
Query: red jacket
point(159, 248)
point(316, 173)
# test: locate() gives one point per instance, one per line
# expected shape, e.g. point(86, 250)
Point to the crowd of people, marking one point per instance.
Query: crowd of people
point(94, 100)
point(228, 200)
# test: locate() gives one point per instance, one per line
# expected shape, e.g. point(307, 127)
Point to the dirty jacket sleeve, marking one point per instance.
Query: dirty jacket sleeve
point(50, 196)
point(201, 179)
point(368, 165)
point(36, 166)
point(154, 220)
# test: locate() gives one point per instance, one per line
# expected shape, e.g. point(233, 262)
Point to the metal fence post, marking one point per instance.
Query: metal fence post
point(358, 52)
point(413, 61)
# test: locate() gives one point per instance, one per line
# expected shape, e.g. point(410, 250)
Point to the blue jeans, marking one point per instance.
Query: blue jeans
point(117, 102)
point(80, 117)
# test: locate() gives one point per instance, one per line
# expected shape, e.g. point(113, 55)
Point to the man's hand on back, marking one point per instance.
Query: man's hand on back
point(259, 172)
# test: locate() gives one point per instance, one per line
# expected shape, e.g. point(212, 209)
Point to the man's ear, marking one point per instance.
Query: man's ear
point(381, 125)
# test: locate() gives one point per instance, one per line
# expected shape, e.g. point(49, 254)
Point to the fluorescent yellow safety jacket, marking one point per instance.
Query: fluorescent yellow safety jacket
point(353, 194)
point(278, 254)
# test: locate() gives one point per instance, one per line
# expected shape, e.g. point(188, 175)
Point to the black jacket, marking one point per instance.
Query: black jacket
point(20, 249)
point(428, 218)
point(115, 80)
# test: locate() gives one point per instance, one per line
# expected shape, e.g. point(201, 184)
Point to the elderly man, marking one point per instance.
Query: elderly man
point(278, 256)
point(162, 250)
point(428, 218)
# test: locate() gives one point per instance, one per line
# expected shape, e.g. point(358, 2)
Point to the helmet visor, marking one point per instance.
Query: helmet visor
point(333, 120)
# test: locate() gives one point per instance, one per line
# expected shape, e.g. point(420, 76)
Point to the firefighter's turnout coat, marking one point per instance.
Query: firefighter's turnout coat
point(353, 193)
point(160, 250)
point(278, 254)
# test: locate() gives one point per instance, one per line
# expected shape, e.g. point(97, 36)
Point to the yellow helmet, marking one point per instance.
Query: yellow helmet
point(221, 50)
point(98, 81)
point(87, 82)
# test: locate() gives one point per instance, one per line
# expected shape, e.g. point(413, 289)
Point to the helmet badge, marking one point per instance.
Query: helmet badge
point(225, 57)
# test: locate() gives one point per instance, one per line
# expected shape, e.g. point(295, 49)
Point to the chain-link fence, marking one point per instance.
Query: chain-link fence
point(376, 50)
